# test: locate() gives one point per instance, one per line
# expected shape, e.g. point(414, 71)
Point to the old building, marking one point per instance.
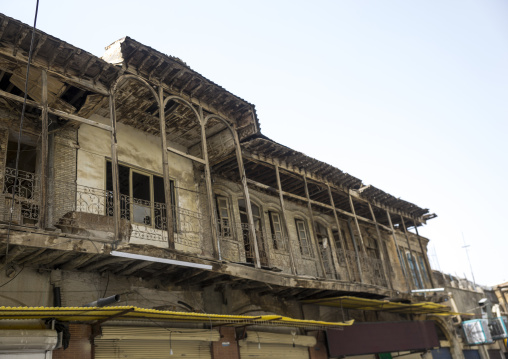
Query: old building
point(141, 178)
point(465, 296)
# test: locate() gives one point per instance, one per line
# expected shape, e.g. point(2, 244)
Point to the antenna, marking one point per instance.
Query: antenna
point(466, 246)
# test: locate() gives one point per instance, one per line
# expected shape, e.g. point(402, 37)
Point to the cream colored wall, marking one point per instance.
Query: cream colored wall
point(139, 149)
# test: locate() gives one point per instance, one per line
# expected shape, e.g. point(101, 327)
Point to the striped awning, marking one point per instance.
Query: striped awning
point(386, 306)
point(92, 314)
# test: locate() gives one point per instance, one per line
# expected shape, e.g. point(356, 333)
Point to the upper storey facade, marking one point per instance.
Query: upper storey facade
point(137, 153)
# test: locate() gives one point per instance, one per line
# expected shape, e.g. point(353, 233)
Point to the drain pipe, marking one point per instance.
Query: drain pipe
point(101, 302)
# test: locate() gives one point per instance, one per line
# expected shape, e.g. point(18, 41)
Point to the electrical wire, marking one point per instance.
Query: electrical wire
point(20, 131)
point(10, 280)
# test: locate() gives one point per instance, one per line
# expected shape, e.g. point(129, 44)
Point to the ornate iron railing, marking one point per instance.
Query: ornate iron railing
point(372, 268)
point(26, 197)
point(148, 219)
point(248, 246)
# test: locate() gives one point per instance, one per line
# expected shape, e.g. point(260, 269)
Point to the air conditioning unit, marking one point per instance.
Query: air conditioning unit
point(498, 328)
point(477, 331)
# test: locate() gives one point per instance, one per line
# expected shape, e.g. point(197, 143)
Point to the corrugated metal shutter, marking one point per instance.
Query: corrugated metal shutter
point(441, 353)
point(141, 349)
point(270, 351)
point(471, 354)
point(142, 342)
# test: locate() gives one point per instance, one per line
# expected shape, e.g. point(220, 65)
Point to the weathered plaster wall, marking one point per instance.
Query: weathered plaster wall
point(142, 150)
point(233, 248)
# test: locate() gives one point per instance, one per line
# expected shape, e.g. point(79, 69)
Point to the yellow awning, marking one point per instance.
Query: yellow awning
point(91, 314)
point(384, 305)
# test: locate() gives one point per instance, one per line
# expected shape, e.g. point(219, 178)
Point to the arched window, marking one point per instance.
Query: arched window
point(276, 228)
point(303, 237)
point(258, 229)
point(224, 214)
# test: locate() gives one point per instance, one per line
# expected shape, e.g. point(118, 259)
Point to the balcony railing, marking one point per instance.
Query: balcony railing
point(146, 220)
point(89, 211)
point(25, 209)
point(372, 268)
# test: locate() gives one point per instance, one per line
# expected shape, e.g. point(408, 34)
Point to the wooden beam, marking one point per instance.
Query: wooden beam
point(355, 247)
point(77, 262)
point(165, 172)
point(213, 216)
point(357, 225)
point(404, 271)
point(241, 169)
point(380, 247)
point(425, 256)
point(285, 220)
point(44, 151)
point(313, 227)
point(413, 257)
point(55, 112)
point(114, 168)
point(186, 155)
point(101, 263)
point(133, 268)
point(342, 239)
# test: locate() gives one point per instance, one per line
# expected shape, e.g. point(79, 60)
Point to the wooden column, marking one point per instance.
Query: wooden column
point(250, 218)
point(404, 270)
point(357, 224)
point(425, 256)
point(413, 257)
point(313, 226)
point(343, 241)
point(209, 191)
point(355, 246)
point(43, 208)
point(380, 246)
point(114, 168)
point(165, 172)
point(284, 219)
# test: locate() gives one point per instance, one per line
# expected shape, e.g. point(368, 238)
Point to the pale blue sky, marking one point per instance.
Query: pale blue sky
point(409, 96)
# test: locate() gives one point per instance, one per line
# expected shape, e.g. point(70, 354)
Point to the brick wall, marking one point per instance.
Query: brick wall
point(63, 172)
point(220, 349)
point(79, 346)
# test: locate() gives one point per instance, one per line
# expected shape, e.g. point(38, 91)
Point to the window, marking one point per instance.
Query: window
point(423, 269)
point(402, 261)
point(413, 266)
point(303, 237)
point(258, 229)
point(224, 217)
point(26, 196)
point(142, 198)
point(277, 232)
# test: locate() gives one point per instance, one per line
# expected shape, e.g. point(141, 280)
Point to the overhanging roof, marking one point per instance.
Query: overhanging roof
point(262, 145)
point(92, 314)
point(385, 306)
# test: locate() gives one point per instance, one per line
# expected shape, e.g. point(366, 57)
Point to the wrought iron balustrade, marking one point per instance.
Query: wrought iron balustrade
point(26, 202)
point(372, 268)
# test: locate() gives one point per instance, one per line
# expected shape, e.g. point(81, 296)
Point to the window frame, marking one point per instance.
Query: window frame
point(218, 197)
point(279, 243)
point(307, 240)
point(150, 174)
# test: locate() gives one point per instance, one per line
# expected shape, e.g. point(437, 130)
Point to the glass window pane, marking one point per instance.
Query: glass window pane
point(140, 186)
point(158, 190)
point(142, 214)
